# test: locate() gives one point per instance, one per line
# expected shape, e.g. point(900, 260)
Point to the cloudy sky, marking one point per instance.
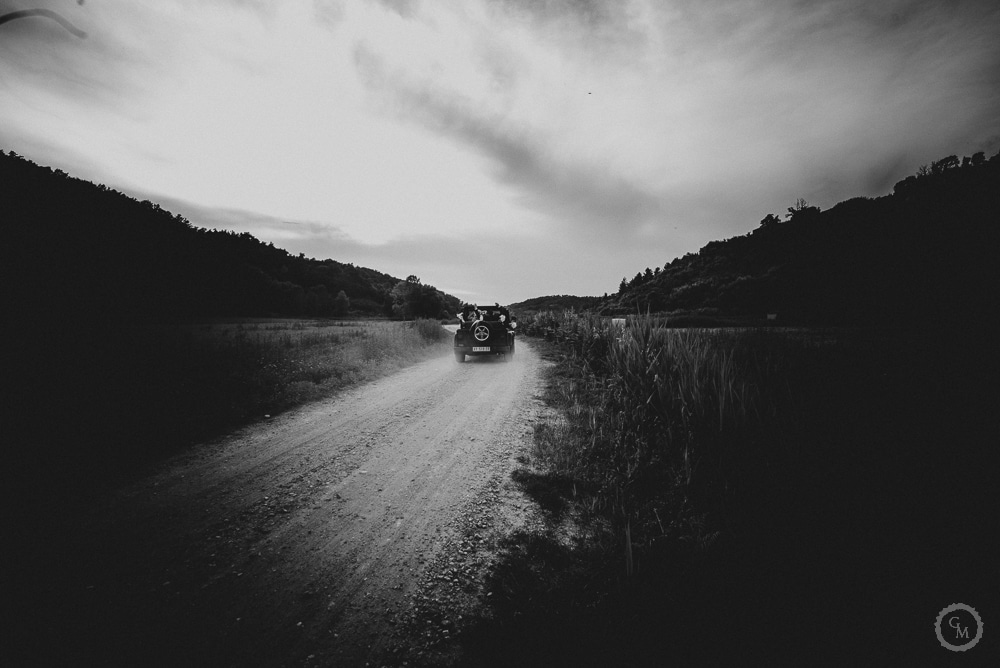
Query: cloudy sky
point(498, 149)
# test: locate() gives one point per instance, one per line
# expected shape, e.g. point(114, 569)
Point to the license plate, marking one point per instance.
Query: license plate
point(480, 349)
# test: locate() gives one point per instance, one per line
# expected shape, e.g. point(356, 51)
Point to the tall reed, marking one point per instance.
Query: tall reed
point(661, 418)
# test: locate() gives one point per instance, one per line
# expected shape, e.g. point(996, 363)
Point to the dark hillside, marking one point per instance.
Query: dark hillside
point(98, 290)
point(555, 303)
point(926, 251)
point(75, 249)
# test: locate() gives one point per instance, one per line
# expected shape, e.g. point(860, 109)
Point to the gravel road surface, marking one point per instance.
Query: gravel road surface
point(353, 530)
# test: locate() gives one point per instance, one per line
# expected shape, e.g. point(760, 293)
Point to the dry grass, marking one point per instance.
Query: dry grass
point(127, 393)
point(288, 362)
point(753, 475)
point(674, 426)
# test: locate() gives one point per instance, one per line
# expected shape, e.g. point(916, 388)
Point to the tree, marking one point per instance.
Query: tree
point(318, 301)
point(428, 303)
point(341, 304)
point(402, 298)
point(412, 299)
point(944, 164)
point(770, 220)
point(802, 210)
point(905, 186)
point(623, 285)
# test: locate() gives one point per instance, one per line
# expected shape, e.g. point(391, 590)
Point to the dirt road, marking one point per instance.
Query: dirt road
point(313, 538)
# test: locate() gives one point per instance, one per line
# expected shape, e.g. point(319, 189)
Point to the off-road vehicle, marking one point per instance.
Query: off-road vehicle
point(485, 331)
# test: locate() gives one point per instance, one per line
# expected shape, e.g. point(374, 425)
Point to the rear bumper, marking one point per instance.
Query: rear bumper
point(493, 350)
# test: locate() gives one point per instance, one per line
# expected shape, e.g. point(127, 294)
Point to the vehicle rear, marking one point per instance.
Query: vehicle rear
point(492, 334)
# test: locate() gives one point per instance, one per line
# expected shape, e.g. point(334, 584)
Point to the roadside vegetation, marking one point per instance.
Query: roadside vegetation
point(266, 366)
point(98, 404)
point(745, 489)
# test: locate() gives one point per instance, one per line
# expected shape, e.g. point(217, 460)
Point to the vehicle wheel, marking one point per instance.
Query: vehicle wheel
point(459, 357)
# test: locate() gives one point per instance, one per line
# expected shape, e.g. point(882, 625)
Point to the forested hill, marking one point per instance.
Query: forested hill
point(926, 252)
point(555, 303)
point(72, 248)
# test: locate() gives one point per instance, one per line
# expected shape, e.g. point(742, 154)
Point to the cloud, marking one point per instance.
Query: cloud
point(6, 17)
point(44, 54)
point(598, 28)
point(483, 266)
point(581, 194)
point(555, 134)
point(775, 99)
point(827, 80)
point(265, 227)
point(128, 48)
point(131, 49)
point(328, 13)
point(704, 116)
point(405, 8)
point(48, 151)
point(591, 13)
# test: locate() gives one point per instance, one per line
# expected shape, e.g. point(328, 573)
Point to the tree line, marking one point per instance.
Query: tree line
point(75, 248)
point(925, 251)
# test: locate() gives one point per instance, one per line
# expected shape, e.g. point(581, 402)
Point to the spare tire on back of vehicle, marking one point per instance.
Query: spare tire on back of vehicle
point(481, 332)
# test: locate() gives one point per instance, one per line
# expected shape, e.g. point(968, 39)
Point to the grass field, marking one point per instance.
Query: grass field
point(288, 362)
point(97, 402)
point(790, 494)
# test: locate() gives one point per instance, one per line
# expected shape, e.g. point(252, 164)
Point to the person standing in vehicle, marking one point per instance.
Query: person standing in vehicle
point(470, 313)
